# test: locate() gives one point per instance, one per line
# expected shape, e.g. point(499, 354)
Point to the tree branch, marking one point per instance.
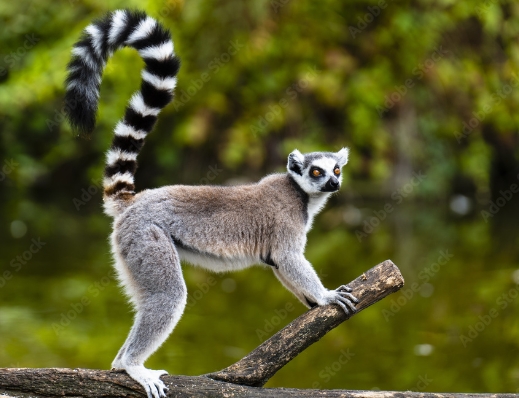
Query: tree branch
point(85, 383)
point(236, 380)
point(263, 362)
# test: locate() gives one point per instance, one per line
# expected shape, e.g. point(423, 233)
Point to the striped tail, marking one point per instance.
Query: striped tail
point(99, 40)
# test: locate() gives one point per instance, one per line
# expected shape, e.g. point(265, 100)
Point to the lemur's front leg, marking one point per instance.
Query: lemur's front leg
point(292, 288)
point(298, 276)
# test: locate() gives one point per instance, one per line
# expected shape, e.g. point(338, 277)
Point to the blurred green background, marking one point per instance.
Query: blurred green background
point(424, 93)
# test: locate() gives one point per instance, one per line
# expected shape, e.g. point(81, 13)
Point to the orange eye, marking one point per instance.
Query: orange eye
point(337, 171)
point(316, 173)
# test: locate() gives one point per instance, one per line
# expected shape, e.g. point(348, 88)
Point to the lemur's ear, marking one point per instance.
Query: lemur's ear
point(295, 162)
point(342, 156)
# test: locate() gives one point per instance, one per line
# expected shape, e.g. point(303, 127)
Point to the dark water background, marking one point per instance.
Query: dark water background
point(454, 326)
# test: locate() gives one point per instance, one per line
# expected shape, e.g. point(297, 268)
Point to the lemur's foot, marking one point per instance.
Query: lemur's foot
point(342, 297)
point(149, 379)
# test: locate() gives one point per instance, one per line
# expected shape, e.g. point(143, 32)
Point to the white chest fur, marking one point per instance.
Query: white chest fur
point(315, 205)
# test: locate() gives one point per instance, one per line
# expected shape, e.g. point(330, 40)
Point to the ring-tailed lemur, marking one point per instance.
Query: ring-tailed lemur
point(219, 228)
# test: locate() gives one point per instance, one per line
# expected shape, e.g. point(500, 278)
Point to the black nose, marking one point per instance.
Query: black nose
point(331, 185)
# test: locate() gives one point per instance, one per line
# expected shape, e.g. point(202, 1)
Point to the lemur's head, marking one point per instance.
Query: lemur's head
point(317, 172)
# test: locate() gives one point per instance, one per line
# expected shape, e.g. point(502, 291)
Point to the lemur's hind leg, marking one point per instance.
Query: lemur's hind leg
point(154, 273)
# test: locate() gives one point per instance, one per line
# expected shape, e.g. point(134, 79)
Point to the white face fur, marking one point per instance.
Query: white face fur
point(317, 172)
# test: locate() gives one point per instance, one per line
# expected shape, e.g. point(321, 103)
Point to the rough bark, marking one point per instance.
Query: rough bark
point(263, 362)
point(25, 383)
point(239, 379)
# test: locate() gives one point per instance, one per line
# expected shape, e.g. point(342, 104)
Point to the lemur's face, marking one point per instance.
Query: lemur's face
point(317, 172)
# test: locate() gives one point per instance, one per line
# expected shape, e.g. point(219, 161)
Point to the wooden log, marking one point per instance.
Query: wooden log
point(262, 363)
point(239, 379)
point(50, 383)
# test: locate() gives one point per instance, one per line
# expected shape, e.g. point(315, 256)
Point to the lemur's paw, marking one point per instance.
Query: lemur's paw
point(149, 379)
point(343, 298)
point(346, 288)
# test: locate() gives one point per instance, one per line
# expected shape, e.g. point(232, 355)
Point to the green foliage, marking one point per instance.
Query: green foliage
point(425, 87)
point(305, 74)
